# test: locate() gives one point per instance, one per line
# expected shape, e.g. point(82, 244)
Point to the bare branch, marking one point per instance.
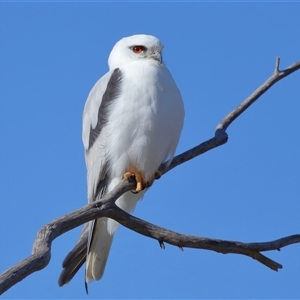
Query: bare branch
point(276, 76)
point(189, 241)
point(41, 252)
point(106, 207)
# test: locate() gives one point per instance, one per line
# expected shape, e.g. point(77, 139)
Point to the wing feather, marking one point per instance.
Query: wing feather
point(95, 112)
point(95, 116)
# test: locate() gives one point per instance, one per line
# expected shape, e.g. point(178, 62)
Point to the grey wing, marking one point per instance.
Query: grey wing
point(95, 117)
point(94, 136)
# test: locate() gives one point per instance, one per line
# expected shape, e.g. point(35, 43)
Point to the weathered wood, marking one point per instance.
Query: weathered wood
point(106, 207)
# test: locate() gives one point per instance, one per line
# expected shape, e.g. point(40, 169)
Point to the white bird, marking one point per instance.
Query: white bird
point(132, 122)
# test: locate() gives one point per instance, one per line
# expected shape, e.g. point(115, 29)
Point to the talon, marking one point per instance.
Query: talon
point(139, 178)
point(127, 175)
point(157, 174)
point(141, 182)
point(139, 187)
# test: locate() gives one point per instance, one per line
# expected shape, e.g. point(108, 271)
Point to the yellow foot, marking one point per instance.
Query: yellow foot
point(141, 182)
point(139, 178)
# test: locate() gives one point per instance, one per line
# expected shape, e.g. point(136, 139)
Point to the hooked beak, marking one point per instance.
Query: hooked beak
point(156, 56)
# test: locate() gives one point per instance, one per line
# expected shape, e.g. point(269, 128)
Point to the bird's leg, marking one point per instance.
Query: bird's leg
point(139, 178)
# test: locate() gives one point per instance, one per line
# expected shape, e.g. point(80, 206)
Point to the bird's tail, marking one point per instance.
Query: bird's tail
point(101, 239)
point(76, 258)
point(94, 243)
point(102, 234)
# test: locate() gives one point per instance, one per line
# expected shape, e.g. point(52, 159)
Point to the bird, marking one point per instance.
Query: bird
point(132, 122)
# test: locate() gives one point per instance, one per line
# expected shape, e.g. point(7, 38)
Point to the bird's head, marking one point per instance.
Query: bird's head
point(134, 48)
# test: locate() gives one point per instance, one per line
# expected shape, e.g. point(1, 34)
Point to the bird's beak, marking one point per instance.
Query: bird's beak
point(157, 56)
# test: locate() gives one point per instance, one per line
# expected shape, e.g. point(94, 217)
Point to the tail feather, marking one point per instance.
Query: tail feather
point(101, 241)
point(94, 243)
point(73, 261)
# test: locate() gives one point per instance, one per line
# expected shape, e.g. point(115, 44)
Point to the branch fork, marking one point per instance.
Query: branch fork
point(106, 207)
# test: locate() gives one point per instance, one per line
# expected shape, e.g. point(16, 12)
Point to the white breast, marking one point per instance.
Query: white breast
point(146, 120)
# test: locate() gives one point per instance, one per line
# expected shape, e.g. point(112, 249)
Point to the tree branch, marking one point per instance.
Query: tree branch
point(105, 207)
point(276, 76)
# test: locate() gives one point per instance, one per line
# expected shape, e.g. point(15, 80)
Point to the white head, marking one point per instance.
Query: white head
point(133, 48)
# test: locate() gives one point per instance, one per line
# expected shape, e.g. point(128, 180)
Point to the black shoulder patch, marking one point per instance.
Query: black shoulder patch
point(111, 93)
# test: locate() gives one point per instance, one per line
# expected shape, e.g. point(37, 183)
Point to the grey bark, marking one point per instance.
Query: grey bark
point(105, 207)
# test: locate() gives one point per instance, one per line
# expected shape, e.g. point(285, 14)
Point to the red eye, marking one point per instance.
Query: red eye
point(138, 49)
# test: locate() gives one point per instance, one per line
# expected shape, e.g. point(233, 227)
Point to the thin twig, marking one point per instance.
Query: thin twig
point(276, 76)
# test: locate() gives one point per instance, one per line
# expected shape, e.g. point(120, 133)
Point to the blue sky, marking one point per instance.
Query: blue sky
point(248, 190)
